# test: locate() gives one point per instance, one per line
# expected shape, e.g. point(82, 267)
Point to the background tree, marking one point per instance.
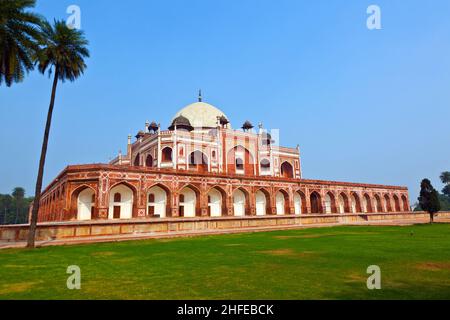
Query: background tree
point(6, 204)
point(19, 39)
point(19, 196)
point(63, 53)
point(429, 199)
point(445, 178)
point(14, 208)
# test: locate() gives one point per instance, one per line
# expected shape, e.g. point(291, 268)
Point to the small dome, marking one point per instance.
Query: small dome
point(201, 115)
point(223, 120)
point(247, 125)
point(153, 126)
point(181, 122)
point(140, 134)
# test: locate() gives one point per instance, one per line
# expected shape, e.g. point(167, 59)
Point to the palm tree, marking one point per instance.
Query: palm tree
point(63, 53)
point(18, 195)
point(19, 38)
point(445, 177)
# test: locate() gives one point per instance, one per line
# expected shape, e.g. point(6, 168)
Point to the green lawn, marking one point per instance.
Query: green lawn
point(327, 263)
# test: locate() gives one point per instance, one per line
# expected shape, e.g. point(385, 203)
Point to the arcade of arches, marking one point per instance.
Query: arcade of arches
point(128, 199)
point(202, 166)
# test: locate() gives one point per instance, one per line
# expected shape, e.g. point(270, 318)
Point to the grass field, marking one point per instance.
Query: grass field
point(328, 263)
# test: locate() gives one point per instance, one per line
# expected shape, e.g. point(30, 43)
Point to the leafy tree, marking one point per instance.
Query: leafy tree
point(6, 203)
point(429, 199)
point(14, 208)
point(63, 53)
point(446, 191)
point(445, 178)
point(19, 38)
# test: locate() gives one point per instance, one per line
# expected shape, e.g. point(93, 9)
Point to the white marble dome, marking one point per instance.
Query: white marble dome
point(201, 115)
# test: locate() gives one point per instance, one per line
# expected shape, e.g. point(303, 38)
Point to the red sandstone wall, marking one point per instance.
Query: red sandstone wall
point(59, 201)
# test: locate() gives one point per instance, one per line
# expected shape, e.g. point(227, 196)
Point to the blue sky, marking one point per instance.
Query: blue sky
point(365, 106)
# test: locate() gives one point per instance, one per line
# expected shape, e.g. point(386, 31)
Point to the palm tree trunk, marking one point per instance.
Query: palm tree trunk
point(37, 195)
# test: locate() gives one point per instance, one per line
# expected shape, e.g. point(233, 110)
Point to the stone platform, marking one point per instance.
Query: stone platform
point(75, 232)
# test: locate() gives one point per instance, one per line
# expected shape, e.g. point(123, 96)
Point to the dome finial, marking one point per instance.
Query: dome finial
point(200, 95)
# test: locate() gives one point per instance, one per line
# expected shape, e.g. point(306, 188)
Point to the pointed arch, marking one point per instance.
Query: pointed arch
point(81, 205)
point(405, 203)
point(149, 161)
point(387, 203)
point(282, 202)
point(241, 202)
point(378, 206)
point(367, 206)
point(137, 160)
point(300, 203)
point(198, 161)
point(240, 161)
point(216, 201)
point(330, 203)
point(167, 154)
point(396, 203)
point(121, 201)
point(159, 201)
point(344, 203)
point(355, 202)
point(287, 170)
point(262, 202)
point(316, 202)
point(189, 201)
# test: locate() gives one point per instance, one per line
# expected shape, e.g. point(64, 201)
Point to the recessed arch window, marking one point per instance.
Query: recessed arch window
point(265, 165)
point(239, 164)
point(117, 197)
point(137, 160)
point(166, 154)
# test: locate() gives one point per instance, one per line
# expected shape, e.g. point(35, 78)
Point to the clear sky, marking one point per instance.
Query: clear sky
point(365, 106)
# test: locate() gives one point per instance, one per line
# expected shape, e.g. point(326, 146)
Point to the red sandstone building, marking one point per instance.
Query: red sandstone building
point(200, 166)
